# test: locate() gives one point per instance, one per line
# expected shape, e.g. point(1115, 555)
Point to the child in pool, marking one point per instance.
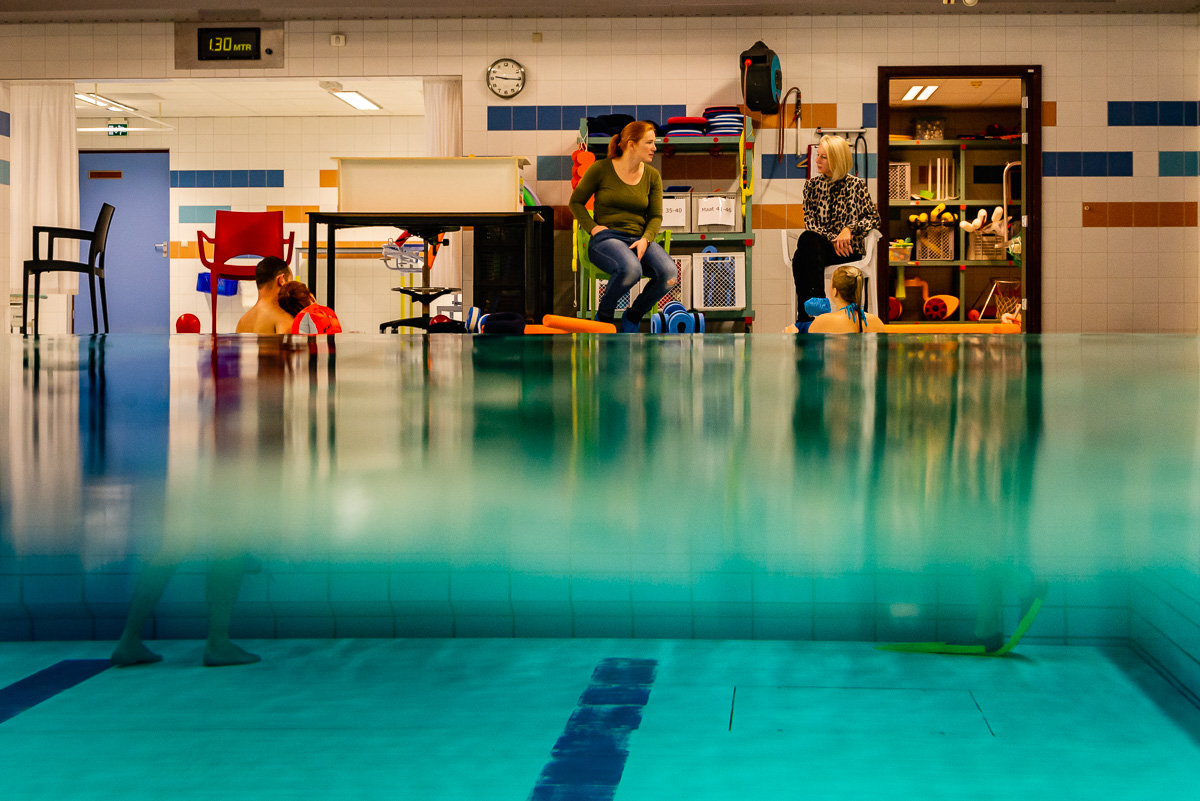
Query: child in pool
point(310, 316)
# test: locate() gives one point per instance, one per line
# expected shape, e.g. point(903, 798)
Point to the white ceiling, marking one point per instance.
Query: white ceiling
point(253, 97)
point(959, 92)
point(230, 10)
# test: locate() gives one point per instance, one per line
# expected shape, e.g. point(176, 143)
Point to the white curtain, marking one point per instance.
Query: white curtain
point(443, 137)
point(44, 178)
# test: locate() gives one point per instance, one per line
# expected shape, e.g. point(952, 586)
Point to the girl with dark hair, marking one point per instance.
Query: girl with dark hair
point(628, 212)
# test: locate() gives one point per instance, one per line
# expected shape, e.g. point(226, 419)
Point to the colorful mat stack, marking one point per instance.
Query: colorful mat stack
point(724, 120)
point(716, 121)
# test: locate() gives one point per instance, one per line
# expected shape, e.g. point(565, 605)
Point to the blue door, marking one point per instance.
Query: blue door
point(137, 270)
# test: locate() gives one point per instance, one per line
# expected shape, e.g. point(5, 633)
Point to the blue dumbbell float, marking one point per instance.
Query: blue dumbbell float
point(675, 319)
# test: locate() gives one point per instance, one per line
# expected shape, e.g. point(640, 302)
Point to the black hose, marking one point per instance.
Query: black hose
point(860, 138)
point(783, 126)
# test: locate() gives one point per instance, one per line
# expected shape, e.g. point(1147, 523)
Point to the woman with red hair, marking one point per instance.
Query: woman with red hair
point(628, 212)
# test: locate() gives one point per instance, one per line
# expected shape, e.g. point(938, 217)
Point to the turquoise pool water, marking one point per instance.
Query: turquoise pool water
point(714, 487)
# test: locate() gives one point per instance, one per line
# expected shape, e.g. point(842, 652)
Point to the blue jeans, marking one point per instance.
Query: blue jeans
point(609, 250)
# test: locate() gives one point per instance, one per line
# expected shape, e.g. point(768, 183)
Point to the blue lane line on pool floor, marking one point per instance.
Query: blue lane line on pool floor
point(45, 684)
point(588, 759)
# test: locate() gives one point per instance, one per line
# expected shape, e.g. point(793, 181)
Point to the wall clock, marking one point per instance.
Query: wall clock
point(505, 77)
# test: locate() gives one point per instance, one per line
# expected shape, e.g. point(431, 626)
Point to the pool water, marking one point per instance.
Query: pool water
point(717, 486)
point(824, 494)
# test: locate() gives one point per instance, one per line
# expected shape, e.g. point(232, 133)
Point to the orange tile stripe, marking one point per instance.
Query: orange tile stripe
point(329, 178)
point(294, 214)
point(1140, 215)
point(1049, 114)
point(778, 215)
point(812, 115)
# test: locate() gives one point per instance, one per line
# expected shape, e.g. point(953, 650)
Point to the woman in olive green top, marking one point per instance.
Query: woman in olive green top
point(628, 211)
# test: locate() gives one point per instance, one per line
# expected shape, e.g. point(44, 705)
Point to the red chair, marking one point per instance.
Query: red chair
point(242, 234)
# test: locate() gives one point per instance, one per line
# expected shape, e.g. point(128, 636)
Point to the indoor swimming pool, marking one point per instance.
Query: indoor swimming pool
point(598, 566)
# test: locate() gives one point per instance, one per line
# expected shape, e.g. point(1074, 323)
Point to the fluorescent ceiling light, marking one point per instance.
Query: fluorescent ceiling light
point(928, 91)
point(913, 92)
point(103, 102)
point(355, 99)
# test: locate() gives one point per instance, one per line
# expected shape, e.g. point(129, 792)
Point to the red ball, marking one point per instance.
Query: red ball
point(187, 324)
point(973, 315)
point(440, 318)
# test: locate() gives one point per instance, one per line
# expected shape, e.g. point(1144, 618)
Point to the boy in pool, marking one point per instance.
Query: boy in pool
point(309, 316)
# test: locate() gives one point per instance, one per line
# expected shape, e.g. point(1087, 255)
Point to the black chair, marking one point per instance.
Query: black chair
point(94, 266)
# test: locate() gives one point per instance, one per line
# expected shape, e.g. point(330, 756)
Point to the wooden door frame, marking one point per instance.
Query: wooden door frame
point(1031, 243)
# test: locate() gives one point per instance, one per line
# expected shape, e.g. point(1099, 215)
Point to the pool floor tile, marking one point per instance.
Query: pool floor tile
point(457, 719)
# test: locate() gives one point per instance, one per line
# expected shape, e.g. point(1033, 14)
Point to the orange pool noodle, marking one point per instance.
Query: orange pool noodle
point(532, 328)
point(951, 328)
point(578, 325)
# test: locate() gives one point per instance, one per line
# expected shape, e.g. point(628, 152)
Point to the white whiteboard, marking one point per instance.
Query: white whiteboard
point(433, 185)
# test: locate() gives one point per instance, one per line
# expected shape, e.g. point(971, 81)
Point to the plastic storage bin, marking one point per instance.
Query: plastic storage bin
point(935, 242)
point(718, 281)
point(623, 303)
point(677, 212)
point(738, 220)
point(899, 180)
point(682, 291)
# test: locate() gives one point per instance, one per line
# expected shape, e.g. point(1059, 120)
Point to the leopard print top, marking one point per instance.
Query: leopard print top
point(830, 206)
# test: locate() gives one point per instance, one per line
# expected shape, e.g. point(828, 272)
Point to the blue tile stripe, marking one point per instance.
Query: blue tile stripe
point(870, 115)
point(5, 124)
point(4, 173)
point(187, 179)
point(200, 214)
point(1153, 112)
point(45, 684)
point(587, 761)
point(1178, 163)
point(566, 118)
point(1087, 164)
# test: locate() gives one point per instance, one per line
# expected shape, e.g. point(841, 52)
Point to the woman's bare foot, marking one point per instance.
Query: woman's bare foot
point(132, 653)
point(226, 654)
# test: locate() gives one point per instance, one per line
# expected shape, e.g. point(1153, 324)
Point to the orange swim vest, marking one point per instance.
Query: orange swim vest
point(322, 317)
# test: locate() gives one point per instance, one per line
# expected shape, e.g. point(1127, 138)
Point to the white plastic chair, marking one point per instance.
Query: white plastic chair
point(866, 263)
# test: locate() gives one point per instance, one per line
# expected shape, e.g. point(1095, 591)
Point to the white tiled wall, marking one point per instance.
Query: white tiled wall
point(1094, 279)
point(301, 147)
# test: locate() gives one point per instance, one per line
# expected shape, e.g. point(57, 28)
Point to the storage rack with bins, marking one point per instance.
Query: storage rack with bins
point(740, 242)
point(973, 274)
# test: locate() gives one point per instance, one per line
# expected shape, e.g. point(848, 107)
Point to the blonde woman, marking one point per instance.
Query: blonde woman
point(838, 214)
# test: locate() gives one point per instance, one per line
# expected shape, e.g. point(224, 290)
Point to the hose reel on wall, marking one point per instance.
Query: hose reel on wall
point(762, 79)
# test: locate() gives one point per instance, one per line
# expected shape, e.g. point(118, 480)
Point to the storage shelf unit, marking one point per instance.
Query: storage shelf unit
point(738, 241)
point(899, 209)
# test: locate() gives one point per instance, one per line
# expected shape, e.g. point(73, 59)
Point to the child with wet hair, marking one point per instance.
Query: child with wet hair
point(309, 316)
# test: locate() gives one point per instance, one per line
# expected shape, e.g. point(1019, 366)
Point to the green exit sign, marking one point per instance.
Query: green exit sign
point(118, 129)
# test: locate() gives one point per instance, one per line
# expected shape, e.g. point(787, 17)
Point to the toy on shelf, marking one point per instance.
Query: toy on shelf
point(1003, 297)
point(940, 307)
